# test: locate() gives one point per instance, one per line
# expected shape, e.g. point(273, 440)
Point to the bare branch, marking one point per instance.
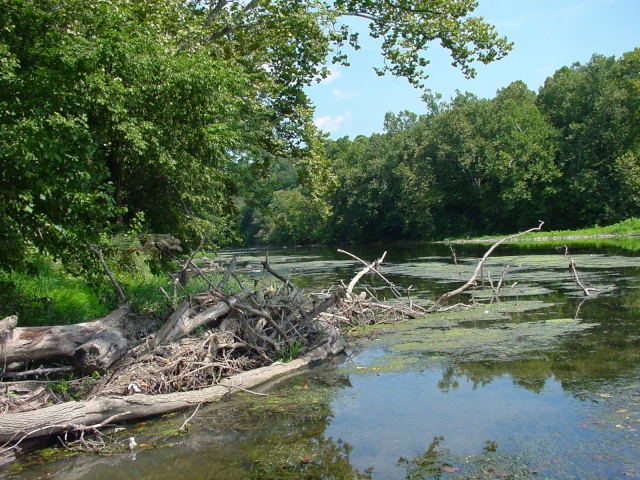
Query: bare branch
point(98, 252)
point(473, 278)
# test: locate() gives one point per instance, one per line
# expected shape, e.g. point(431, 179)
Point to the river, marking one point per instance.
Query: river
point(539, 381)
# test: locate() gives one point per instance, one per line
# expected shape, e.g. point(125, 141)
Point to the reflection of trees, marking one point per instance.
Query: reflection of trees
point(438, 462)
point(329, 459)
point(581, 363)
point(531, 374)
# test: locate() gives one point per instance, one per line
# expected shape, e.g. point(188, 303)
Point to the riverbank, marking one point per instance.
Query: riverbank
point(626, 228)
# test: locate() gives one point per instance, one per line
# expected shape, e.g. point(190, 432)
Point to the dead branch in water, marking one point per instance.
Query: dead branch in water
point(478, 269)
point(573, 269)
point(587, 290)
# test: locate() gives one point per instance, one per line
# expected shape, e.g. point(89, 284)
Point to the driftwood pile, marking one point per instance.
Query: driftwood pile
point(213, 344)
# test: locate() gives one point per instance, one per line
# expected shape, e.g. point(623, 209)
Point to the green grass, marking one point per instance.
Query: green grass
point(47, 295)
point(627, 227)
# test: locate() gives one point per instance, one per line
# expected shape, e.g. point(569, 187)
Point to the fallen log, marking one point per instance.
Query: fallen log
point(180, 323)
point(102, 351)
point(24, 344)
point(72, 416)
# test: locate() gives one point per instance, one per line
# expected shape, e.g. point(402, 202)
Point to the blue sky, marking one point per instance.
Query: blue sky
point(548, 35)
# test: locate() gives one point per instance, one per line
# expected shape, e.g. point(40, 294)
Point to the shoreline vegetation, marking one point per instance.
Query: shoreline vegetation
point(626, 228)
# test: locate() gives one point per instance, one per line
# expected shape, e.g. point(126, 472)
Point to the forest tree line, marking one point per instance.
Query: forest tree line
point(568, 154)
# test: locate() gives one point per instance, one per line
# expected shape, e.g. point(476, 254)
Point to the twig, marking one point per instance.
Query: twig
point(279, 276)
point(67, 427)
point(184, 426)
point(98, 252)
point(503, 278)
point(453, 254)
point(572, 266)
point(230, 269)
point(35, 371)
point(201, 273)
point(371, 267)
point(496, 290)
point(230, 387)
point(264, 314)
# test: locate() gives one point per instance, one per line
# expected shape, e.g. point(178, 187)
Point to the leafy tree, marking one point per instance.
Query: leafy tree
point(484, 166)
point(627, 167)
point(588, 107)
point(365, 200)
point(112, 112)
point(453, 164)
point(292, 218)
point(521, 159)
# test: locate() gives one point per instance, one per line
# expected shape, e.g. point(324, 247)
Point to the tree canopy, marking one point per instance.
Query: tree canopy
point(120, 114)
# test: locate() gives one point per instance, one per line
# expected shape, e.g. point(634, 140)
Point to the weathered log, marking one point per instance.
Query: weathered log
point(41, 343)
point(98, 354)
point(71, 416)
point(177, 318)
point(181, 324)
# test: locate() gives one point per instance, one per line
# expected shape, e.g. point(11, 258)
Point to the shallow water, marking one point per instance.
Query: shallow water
point(541, 382)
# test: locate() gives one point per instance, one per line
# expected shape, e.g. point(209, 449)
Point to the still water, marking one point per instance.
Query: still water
point(539, 381)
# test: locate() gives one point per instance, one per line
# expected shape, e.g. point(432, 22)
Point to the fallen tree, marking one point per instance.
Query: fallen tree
point(90, 346)
point(99, 411)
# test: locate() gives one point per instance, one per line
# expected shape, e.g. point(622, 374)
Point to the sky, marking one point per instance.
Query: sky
point(548, 34)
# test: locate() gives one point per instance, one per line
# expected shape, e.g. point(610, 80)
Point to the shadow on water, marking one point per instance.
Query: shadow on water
point(541, 382)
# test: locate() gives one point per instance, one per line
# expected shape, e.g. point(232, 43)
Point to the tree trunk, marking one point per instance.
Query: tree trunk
point(71, 416)
point(94, 345)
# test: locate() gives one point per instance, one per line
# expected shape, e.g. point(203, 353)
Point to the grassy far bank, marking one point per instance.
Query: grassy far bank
point(629, 227)
point(45, 294)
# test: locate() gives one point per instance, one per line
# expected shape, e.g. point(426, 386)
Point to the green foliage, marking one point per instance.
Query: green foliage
point(289, 352)
point(594, 111)
point(568, 155)
point(45, 294)
point(109, 110)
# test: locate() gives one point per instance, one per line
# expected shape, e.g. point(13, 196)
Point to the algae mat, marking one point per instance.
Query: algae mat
point(484, 333)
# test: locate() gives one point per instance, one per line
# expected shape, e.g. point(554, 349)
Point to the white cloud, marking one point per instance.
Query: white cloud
point(334, 74)
point(332, 124)
point(343, 95)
